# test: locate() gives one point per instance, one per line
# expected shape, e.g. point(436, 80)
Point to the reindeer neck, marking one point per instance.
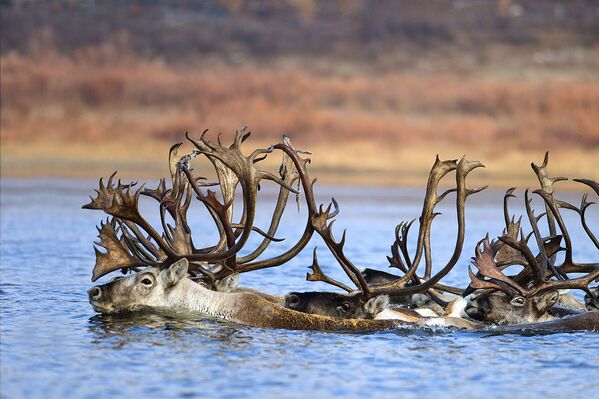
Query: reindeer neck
point(194, 297)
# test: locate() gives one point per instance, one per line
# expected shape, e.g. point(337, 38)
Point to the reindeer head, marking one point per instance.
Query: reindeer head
point(502, 300)
point(150, 287)
point(337, 305)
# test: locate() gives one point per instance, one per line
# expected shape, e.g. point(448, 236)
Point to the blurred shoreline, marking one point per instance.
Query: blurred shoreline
point(352, 163)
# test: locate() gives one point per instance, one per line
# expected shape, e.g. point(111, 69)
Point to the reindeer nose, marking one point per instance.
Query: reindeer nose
point(292, 300)
point(94, 293)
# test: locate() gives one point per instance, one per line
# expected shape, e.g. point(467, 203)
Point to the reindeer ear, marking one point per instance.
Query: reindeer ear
point(227, 284)
point(175, 272)
point(376, 305)
point(545, 301)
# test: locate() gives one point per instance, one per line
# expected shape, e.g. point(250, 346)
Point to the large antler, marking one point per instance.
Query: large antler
point(400, 286)
point(133, 242)
point(536, 276)
point(485, 263)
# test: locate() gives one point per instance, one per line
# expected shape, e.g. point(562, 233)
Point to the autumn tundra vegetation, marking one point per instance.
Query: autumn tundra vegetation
point(397, 82)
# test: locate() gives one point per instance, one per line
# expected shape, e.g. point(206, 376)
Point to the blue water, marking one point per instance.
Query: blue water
point(52, 344)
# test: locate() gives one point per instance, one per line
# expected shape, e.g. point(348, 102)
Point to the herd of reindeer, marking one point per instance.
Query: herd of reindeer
point(168, 269)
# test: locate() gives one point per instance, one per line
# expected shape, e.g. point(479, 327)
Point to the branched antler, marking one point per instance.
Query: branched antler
point(137, 243)
point(400, 254)
point(400, 287)
point(497, 280)
point(536, 277)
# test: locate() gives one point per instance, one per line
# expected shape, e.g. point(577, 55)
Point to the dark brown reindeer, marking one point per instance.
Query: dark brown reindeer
point(592, 301)
point(344, 306)
point(530, 294)
point(353, 303)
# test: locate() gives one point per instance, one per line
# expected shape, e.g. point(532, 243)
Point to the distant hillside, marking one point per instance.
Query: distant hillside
point(364, 30)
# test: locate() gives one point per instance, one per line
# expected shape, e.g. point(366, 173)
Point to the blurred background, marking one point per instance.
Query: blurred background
point(374, 88)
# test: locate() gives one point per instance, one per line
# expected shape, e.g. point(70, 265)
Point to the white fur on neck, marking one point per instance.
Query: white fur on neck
point(392, 314)
point(457, 308)
point(188, 295)
point(426, 312)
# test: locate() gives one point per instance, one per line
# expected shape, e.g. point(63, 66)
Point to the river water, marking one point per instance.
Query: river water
point(53, 345)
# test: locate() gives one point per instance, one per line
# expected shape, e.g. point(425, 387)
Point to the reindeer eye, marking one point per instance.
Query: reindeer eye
point(146, 281)
point(346, 306)
point(517, 301)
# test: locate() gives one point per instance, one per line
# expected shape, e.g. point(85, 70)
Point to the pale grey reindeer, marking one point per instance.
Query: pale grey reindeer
point(170, 271)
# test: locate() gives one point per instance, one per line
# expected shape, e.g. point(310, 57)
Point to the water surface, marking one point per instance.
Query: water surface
point(53, 345)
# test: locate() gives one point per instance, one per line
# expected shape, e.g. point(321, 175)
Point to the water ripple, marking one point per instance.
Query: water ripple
point(52, 345)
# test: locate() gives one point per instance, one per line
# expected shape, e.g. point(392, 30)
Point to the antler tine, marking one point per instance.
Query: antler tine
point(401, 244)
point(543, 176)
point(506, 213)
point(485, 263)
point(591, 183)
point(324, 228)
point(241, 135)
point(288, 178)
point(547, 186)
point(552, 247)
point(159, 192)
point(522, 247)
point(179, 237)
point(539, 268)
point(335, 211)
point(431, 199)
point(116, 256)
point(504, 254)
point(553, 206)
point(552, 209)
point(318, 275)
point(118, 201)
point(136, 247)
point(584, 204)
point(145, 241)
point(580, 283)
point(220, 214)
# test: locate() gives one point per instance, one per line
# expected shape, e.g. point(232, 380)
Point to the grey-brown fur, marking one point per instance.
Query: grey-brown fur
point(498, 307)
point(172, 289)
point(332, 304)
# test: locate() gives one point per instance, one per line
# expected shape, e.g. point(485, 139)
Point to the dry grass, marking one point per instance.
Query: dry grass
point(88, 113)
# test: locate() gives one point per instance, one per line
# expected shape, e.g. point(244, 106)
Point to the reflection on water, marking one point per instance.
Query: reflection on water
point(119, 331)
point(53, 345)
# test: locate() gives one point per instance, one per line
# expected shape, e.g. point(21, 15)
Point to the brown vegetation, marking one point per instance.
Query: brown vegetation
point(89, 105)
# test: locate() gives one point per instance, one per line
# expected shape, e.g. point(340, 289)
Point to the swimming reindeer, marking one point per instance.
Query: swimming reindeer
point(169, 270)
point(531, 295)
